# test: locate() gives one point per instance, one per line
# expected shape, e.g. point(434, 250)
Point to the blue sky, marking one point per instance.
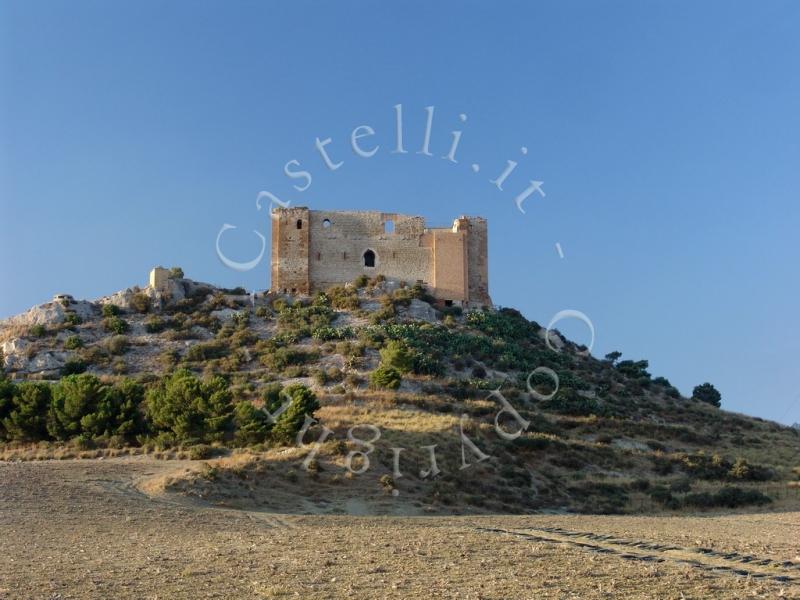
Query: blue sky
point(667, 135)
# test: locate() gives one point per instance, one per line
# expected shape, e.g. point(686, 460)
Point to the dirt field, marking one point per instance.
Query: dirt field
point(84, 529)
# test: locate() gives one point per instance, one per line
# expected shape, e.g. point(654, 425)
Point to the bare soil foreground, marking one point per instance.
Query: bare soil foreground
point(86, 529)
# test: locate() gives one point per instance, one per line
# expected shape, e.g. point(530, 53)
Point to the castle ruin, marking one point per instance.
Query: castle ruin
point(313, 250)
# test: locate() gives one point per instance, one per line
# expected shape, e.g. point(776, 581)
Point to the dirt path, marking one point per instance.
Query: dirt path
point(85, 529)
point(650, 551)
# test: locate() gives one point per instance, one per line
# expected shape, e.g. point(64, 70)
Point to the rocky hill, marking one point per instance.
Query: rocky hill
point(489, 416)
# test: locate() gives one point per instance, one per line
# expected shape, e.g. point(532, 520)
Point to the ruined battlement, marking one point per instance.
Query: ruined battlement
point(313, 250)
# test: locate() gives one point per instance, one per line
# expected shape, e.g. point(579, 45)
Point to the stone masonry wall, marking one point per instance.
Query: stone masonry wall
point(313, 250)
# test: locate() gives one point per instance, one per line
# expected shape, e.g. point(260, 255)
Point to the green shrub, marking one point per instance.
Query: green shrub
point(94, 355)
point(707, 393)
point(176, 273)
point(7, 389)
point(115, 324)
point(385, 377)
point(343, 298)
point(119, 366)
point(73, 366)
point(110, 310)
point(117, 345)
point(140, 302)
point(289, 423)
point(325, 334)
point(73, 342)
point(37, 331)
point(206, 351)
point(634, 369)
point(568, 402)
point(663, 496)
point(168, 359)
point(237, 291)
point(71, 319)
point(383, 314)
point(27, 418)
point(281, 358)
point(727, 497)
point(76, 397)
point(396, 354)
point(252, 425)
point(156, 324)
point(361, 281)
point(192, 410)
point(201, 452)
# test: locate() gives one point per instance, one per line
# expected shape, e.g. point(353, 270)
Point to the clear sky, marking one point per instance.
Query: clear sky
point(667, 135)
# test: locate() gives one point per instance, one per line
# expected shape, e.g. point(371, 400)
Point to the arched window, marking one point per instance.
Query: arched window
point(369, 258)
point(326, 223)
point(299, 223)
point(388, 226)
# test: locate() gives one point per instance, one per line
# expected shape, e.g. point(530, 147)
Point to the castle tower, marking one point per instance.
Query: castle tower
point(290, 247)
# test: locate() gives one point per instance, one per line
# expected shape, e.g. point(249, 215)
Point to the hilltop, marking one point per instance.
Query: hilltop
point(183, 372)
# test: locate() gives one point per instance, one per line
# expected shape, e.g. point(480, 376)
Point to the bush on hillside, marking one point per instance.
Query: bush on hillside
point(707, 393)
point(117, 345)
point(252, 424)
point(140, 302)
point(289, 423)
point(192, 410)
point(110, 310)
point(73, 366)
point(385, 377)
point(396, 354)
point(115, 324)
point(73, 342)
point(37, 331)
point(569, 402)
point(26, 411)
point(203, 351)
point(727, 497)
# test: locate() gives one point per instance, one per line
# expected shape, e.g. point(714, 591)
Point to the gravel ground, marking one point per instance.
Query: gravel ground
point(83, 529)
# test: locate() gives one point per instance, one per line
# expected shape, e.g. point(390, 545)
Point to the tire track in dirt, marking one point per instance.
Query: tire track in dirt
point(131, 489)
point(706, 559)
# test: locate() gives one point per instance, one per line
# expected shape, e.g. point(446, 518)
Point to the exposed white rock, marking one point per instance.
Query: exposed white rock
point(46, 361)
point(420, 310)
point(556, 339)
point(175, 290)
point(15, 354)
point(51, 313)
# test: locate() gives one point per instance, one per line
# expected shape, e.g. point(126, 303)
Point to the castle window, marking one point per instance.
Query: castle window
point(326, 223)
point(299, 223)
point(319, 256)
point(388, 226)
point(369, 258)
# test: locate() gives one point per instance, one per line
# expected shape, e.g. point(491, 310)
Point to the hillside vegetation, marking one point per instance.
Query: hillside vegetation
point(218, 375)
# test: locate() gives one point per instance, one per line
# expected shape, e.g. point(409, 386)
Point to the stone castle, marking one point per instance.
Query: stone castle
point(313, 250)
